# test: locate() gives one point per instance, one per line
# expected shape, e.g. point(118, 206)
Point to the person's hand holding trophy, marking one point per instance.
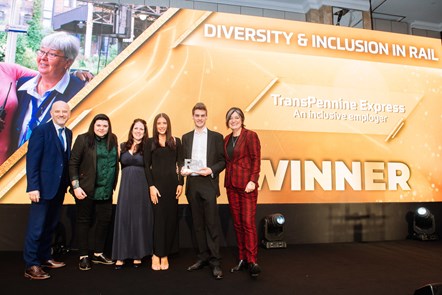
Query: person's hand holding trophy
point(194, 167)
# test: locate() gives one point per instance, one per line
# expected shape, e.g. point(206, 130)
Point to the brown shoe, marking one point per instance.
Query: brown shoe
point(53, 264)
point(35, 272)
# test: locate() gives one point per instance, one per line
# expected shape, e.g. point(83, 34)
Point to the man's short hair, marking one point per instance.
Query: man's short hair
point(199, 106)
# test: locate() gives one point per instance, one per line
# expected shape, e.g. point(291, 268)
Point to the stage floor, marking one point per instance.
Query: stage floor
point(396, 267)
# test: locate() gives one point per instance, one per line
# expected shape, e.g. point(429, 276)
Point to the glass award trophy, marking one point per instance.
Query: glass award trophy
point(192, 166)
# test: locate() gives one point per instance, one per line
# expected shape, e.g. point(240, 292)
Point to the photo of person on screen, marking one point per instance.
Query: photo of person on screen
point(35, 95)
point(10, 73)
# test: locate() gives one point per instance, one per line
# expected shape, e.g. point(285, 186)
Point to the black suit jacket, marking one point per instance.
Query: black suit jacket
point(215, 155)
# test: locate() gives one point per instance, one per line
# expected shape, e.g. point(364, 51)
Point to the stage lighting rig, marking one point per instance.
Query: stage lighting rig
point(424, 225)
point(274, 231)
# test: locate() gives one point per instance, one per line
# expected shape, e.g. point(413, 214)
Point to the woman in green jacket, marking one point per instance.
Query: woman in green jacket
point(93, 171)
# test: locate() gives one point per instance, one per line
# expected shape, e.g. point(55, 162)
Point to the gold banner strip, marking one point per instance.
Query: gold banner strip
point(263, 92)
point(191, 29)
point(395, 130)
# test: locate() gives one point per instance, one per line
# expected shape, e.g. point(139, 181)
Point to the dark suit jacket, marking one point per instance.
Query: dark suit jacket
point(215, 154)
point(24, 99)
point(45, 166)
point(83, 164)
point(245, 164)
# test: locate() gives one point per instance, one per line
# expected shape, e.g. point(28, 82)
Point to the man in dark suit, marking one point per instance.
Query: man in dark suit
point(47, 176)
point(205, 148)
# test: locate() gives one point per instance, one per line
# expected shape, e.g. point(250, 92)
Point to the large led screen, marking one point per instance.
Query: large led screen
point(344, 115)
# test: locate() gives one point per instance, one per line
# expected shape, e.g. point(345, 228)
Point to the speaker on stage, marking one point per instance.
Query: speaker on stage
point(430, 289)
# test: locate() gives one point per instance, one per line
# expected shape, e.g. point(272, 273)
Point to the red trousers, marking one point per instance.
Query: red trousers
point(243, 209)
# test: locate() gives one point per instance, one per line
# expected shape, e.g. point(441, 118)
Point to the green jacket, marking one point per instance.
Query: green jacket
point(83, 165)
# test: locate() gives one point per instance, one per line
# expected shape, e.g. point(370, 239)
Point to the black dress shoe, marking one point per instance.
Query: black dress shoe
point(197, 265)
point(254, 270)
point(242, 264)
point(35, 272)
point(85, 263)
point(217, 272)
point(53, 264)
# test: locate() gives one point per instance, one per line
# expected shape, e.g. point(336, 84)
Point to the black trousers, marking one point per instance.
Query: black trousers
point(201, 196)
point(90, 211)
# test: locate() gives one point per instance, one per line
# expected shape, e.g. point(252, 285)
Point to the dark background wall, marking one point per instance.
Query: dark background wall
point(305, 223)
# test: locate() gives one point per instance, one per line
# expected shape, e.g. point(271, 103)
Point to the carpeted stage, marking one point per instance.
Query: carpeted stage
point(376, 268)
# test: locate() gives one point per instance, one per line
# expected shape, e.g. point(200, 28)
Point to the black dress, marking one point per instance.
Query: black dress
point(133, 231)
point(162, 164)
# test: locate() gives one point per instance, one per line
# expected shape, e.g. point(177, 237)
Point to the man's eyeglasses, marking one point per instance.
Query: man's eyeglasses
point(50, 55)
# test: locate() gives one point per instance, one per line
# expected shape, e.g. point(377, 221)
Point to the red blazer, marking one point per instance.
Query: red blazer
point(245, 164)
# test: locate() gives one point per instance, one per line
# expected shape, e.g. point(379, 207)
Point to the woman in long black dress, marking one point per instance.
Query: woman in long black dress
point(163, 159)
point(133, 231)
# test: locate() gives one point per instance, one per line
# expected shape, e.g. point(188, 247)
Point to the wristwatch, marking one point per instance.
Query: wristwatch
point(76, 184)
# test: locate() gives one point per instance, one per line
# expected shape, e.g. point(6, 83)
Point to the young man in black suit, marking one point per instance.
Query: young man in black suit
point(205, 148)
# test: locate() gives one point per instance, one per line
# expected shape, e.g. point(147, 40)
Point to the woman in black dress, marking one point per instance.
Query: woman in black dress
point(163, 159)
point(133, 231)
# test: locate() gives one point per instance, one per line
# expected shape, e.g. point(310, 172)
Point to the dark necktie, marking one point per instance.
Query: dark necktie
point(60, 136)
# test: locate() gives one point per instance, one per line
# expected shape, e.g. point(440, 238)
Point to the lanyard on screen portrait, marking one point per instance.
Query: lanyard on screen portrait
point(37, 111)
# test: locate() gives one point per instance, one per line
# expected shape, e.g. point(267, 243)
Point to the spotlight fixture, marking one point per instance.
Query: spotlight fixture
point(424, 225)
point(81, 24)
point(274, 231)
point(142, 16)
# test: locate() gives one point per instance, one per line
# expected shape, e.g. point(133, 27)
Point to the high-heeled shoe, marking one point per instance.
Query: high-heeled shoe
point(164, 263)
point(119, 264)
point(155, 262)
point(242, 264)
point(137, 263)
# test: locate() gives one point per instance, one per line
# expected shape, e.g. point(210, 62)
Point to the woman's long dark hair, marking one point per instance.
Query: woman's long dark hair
point(130, 138)
point(170, 140)
point(111, 139)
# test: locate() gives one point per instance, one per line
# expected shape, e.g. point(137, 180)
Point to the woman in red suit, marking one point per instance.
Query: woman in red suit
point(243, 160)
